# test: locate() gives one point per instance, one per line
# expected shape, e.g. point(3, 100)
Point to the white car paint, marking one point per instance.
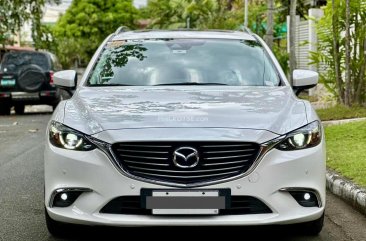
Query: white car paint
point(146, 113)
point(65, 78)
point(98, 109)
point(305, 77)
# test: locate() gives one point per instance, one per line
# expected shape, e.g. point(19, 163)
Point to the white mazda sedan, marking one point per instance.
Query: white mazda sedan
point(178, 128)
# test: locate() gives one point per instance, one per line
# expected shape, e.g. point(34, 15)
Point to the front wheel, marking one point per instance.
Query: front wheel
point(55, 104)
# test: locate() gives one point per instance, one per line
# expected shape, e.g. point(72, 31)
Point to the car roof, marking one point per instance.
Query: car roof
point(181, 34)
point(19, 52)
point(18, 48)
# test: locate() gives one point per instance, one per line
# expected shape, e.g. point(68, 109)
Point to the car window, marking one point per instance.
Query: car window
point(55, 63)
point(13, 61)
point(184, 61)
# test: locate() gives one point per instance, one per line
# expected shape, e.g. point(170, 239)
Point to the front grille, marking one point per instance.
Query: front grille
point(154, 160)
point(240, 205)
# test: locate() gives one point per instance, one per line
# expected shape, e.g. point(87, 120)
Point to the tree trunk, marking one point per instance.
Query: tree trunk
point(269, 32)
point(293, 63)
point(361, 81)
point(337, 66)
point(230, 5)
point(356, 58)
point(348, 56)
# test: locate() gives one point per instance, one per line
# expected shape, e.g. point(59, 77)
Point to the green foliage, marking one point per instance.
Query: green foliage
point(207, 14)
point(213, 14)
point(201, 14)
point(116, 57)
point(87, 23)
point(14, 13)
point(324, 58)
point(282, 57)
point(43, 38)
point(345, 145)
point(339, 112)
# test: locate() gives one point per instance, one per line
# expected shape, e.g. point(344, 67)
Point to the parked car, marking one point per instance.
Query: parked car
point(7, 49)
point(170, 128)
point(27, 79)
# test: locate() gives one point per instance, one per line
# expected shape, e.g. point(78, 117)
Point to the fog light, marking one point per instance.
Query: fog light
point(307, 196)
point(64, 197)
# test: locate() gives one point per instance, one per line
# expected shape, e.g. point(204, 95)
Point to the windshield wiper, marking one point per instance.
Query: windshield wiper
point(191, 83)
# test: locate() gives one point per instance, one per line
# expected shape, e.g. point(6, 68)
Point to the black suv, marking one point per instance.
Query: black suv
point(26, 78)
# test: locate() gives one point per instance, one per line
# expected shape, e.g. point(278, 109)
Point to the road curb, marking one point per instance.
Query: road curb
point(346, 190)
point(343, 121)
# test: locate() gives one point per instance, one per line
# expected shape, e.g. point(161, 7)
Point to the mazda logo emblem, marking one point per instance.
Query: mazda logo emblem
point(186, 157)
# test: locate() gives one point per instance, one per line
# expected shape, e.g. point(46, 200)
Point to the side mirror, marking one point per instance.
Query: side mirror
point(304, 79)
point(65, 79)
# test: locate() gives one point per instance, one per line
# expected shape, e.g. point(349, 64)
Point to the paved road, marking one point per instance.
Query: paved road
point(21, 202)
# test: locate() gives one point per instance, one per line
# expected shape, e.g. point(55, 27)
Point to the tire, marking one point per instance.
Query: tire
point(55, 228)
point(55, 104)
point(4, 109)
point(312, 228)
point(31, 78)
point(19, 109)
point(57, 101)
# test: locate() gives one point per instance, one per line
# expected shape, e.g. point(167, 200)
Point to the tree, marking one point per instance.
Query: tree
point(43, 38)
point(269, 33)
point(337, 66)
point(87, 23)
point(293, 63)
point(347, 97)
point(201, 14)
point(13, 14)
point(164, 14)
point(343, 54)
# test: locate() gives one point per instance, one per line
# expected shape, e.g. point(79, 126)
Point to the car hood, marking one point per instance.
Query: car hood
point(96, 109)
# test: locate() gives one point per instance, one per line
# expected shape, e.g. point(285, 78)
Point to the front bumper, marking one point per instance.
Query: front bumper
point(94, 170)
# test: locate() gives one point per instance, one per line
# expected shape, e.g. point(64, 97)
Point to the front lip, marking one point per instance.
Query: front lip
point(107, 149)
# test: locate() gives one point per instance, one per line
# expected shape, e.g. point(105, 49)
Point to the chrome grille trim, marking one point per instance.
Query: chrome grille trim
point(185, 177)
point(154, 160)
point(230, 151)
point(154, 152)
point(233, 145)
point(134, 145)
point(224, 163)
point(105, 147)
point(226, 157)
point(197, 171)
point(147, 163)
point(144, 157)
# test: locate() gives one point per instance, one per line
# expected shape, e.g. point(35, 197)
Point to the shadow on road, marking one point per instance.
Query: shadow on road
point(36, 113)
point(272, 233)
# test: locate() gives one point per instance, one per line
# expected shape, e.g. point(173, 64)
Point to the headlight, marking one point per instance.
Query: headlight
point(304, 137)
point(67, 138)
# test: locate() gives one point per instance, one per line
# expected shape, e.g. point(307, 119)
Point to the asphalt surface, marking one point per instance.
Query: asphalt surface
point(22, 211)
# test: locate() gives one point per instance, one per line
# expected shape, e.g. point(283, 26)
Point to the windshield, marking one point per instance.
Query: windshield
point(13, 61)
point(184, 62)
